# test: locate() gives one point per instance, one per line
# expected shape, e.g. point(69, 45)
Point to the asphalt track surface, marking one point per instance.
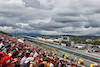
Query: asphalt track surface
point(77, 54)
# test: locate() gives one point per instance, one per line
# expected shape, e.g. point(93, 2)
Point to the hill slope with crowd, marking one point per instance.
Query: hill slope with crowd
point(17, 54)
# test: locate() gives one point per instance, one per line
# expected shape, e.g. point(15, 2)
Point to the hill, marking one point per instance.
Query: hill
point(5, 33)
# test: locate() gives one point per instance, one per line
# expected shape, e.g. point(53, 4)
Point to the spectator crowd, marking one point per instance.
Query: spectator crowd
point(16, 54)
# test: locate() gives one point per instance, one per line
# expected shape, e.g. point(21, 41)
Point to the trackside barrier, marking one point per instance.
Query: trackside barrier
point(68, 49)
point(71, 56)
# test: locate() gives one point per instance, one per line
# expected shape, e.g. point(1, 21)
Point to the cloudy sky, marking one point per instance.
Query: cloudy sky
point(74, 17)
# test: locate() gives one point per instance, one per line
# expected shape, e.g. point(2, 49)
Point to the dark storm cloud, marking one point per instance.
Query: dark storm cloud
point(93, 25)
point(6, 24)
point(36, 4)
point(72, 32)
point(66, 12)
point(10, 14)
point(32, 3)
point(93, 21)
point(68, 19)
point(66, 16)
point(10, 24)
point(51, 26)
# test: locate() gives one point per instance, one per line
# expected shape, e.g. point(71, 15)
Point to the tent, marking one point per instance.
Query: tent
point(20, 40)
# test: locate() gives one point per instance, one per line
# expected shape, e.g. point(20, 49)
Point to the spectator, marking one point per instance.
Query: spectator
point(15, 54)
point(51, 64)
point(42, 65)
point(28, 60)
point(22, 54)
point(7, 61)
point(8, 50)
point(24, 59)
point(33, 64)
point(63, 65)
point(1, 44)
